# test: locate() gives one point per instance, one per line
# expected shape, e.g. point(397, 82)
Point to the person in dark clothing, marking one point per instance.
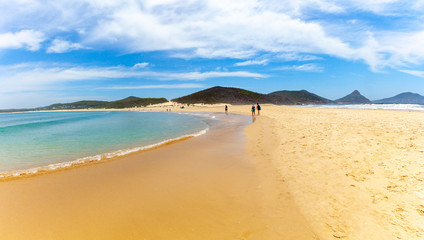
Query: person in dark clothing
point(258, 107)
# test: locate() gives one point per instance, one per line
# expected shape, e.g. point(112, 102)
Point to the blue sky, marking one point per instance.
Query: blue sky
point(64, 51)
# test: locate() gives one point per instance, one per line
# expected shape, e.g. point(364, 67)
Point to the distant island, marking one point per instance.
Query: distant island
point(235, 96)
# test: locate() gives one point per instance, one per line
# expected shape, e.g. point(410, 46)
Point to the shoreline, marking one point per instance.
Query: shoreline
point(162, 107)
point(311, 173)
point(89, 160)
point(14, 174)
point(206, 187)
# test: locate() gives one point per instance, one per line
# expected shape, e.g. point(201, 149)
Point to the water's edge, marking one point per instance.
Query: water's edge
point(99, 158)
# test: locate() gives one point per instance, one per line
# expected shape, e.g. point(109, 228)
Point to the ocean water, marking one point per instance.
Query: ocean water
point(401, 107)
point(60, 139)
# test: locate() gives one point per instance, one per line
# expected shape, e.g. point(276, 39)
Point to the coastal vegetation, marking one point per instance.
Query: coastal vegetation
point(128, 102)
point(241, 96)
point(235, 96)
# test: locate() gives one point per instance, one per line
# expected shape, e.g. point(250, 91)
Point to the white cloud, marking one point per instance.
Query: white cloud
point(160, 86)
point(309, 67)
point(240, 29)
point(297, 57)
point(381, 6)
point(141, 65)
point(414, 73)
point(32, 78)
point(62, 46)
point(211, 29)
point(28, 39)
point(206, 75)
point(252, 62)
point(393, 49)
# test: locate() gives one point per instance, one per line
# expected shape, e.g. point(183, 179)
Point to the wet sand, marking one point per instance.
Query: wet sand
point(220, 185)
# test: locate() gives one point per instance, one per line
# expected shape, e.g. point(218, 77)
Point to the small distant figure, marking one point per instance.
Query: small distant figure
point(226, 109)
point(253, 110)
point(259, 108)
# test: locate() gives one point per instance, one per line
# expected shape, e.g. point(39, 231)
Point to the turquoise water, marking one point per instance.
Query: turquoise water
point(29, 140)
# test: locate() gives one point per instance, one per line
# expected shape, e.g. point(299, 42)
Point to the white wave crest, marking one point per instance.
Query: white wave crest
point(92, 159)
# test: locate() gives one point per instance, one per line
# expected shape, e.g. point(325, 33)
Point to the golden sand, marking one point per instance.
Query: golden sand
point(206, 187)
point(354, 174)
point(336, 173)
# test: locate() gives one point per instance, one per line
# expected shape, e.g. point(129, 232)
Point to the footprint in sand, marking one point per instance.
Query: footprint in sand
point(420, 210)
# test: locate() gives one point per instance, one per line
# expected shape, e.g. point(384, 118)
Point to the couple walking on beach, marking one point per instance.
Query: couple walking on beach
point(258, 107)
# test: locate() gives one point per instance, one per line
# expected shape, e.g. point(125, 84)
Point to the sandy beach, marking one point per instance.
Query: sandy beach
point(295, 173)
point(206, 187)
point(354, 174)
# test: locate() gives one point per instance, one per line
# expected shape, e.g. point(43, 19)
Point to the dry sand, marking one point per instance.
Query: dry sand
point(354, 174)
point(206, 187)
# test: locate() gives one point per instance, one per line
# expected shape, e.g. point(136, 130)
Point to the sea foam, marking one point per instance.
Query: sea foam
point(34, 143)
point(92, 159)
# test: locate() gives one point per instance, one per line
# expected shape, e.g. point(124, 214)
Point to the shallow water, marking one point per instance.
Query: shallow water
point(37, 139)
point(402, 107)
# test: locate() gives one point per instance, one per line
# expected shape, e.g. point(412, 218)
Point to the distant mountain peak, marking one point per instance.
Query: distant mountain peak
point(353, 98)
point(403, 98)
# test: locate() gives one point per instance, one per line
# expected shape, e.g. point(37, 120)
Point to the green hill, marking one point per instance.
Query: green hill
point(224, 95)
point(135, 102)
point(241, 96)
point(297, 97)
point(128, 102)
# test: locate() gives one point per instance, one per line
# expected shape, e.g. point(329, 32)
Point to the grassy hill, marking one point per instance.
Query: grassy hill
point(128, 102)
point(224, 95)
point(297, 97)
point(135, 102)
point(241, 96)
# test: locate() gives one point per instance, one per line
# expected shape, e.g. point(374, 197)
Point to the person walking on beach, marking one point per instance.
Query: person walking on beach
point(259, 108)
point(253, 110)
point(226, 109)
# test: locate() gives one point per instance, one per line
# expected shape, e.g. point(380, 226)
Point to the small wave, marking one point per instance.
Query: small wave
point(201, 114)
point(40, 122)
point(91, 159)
point(400, 107)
